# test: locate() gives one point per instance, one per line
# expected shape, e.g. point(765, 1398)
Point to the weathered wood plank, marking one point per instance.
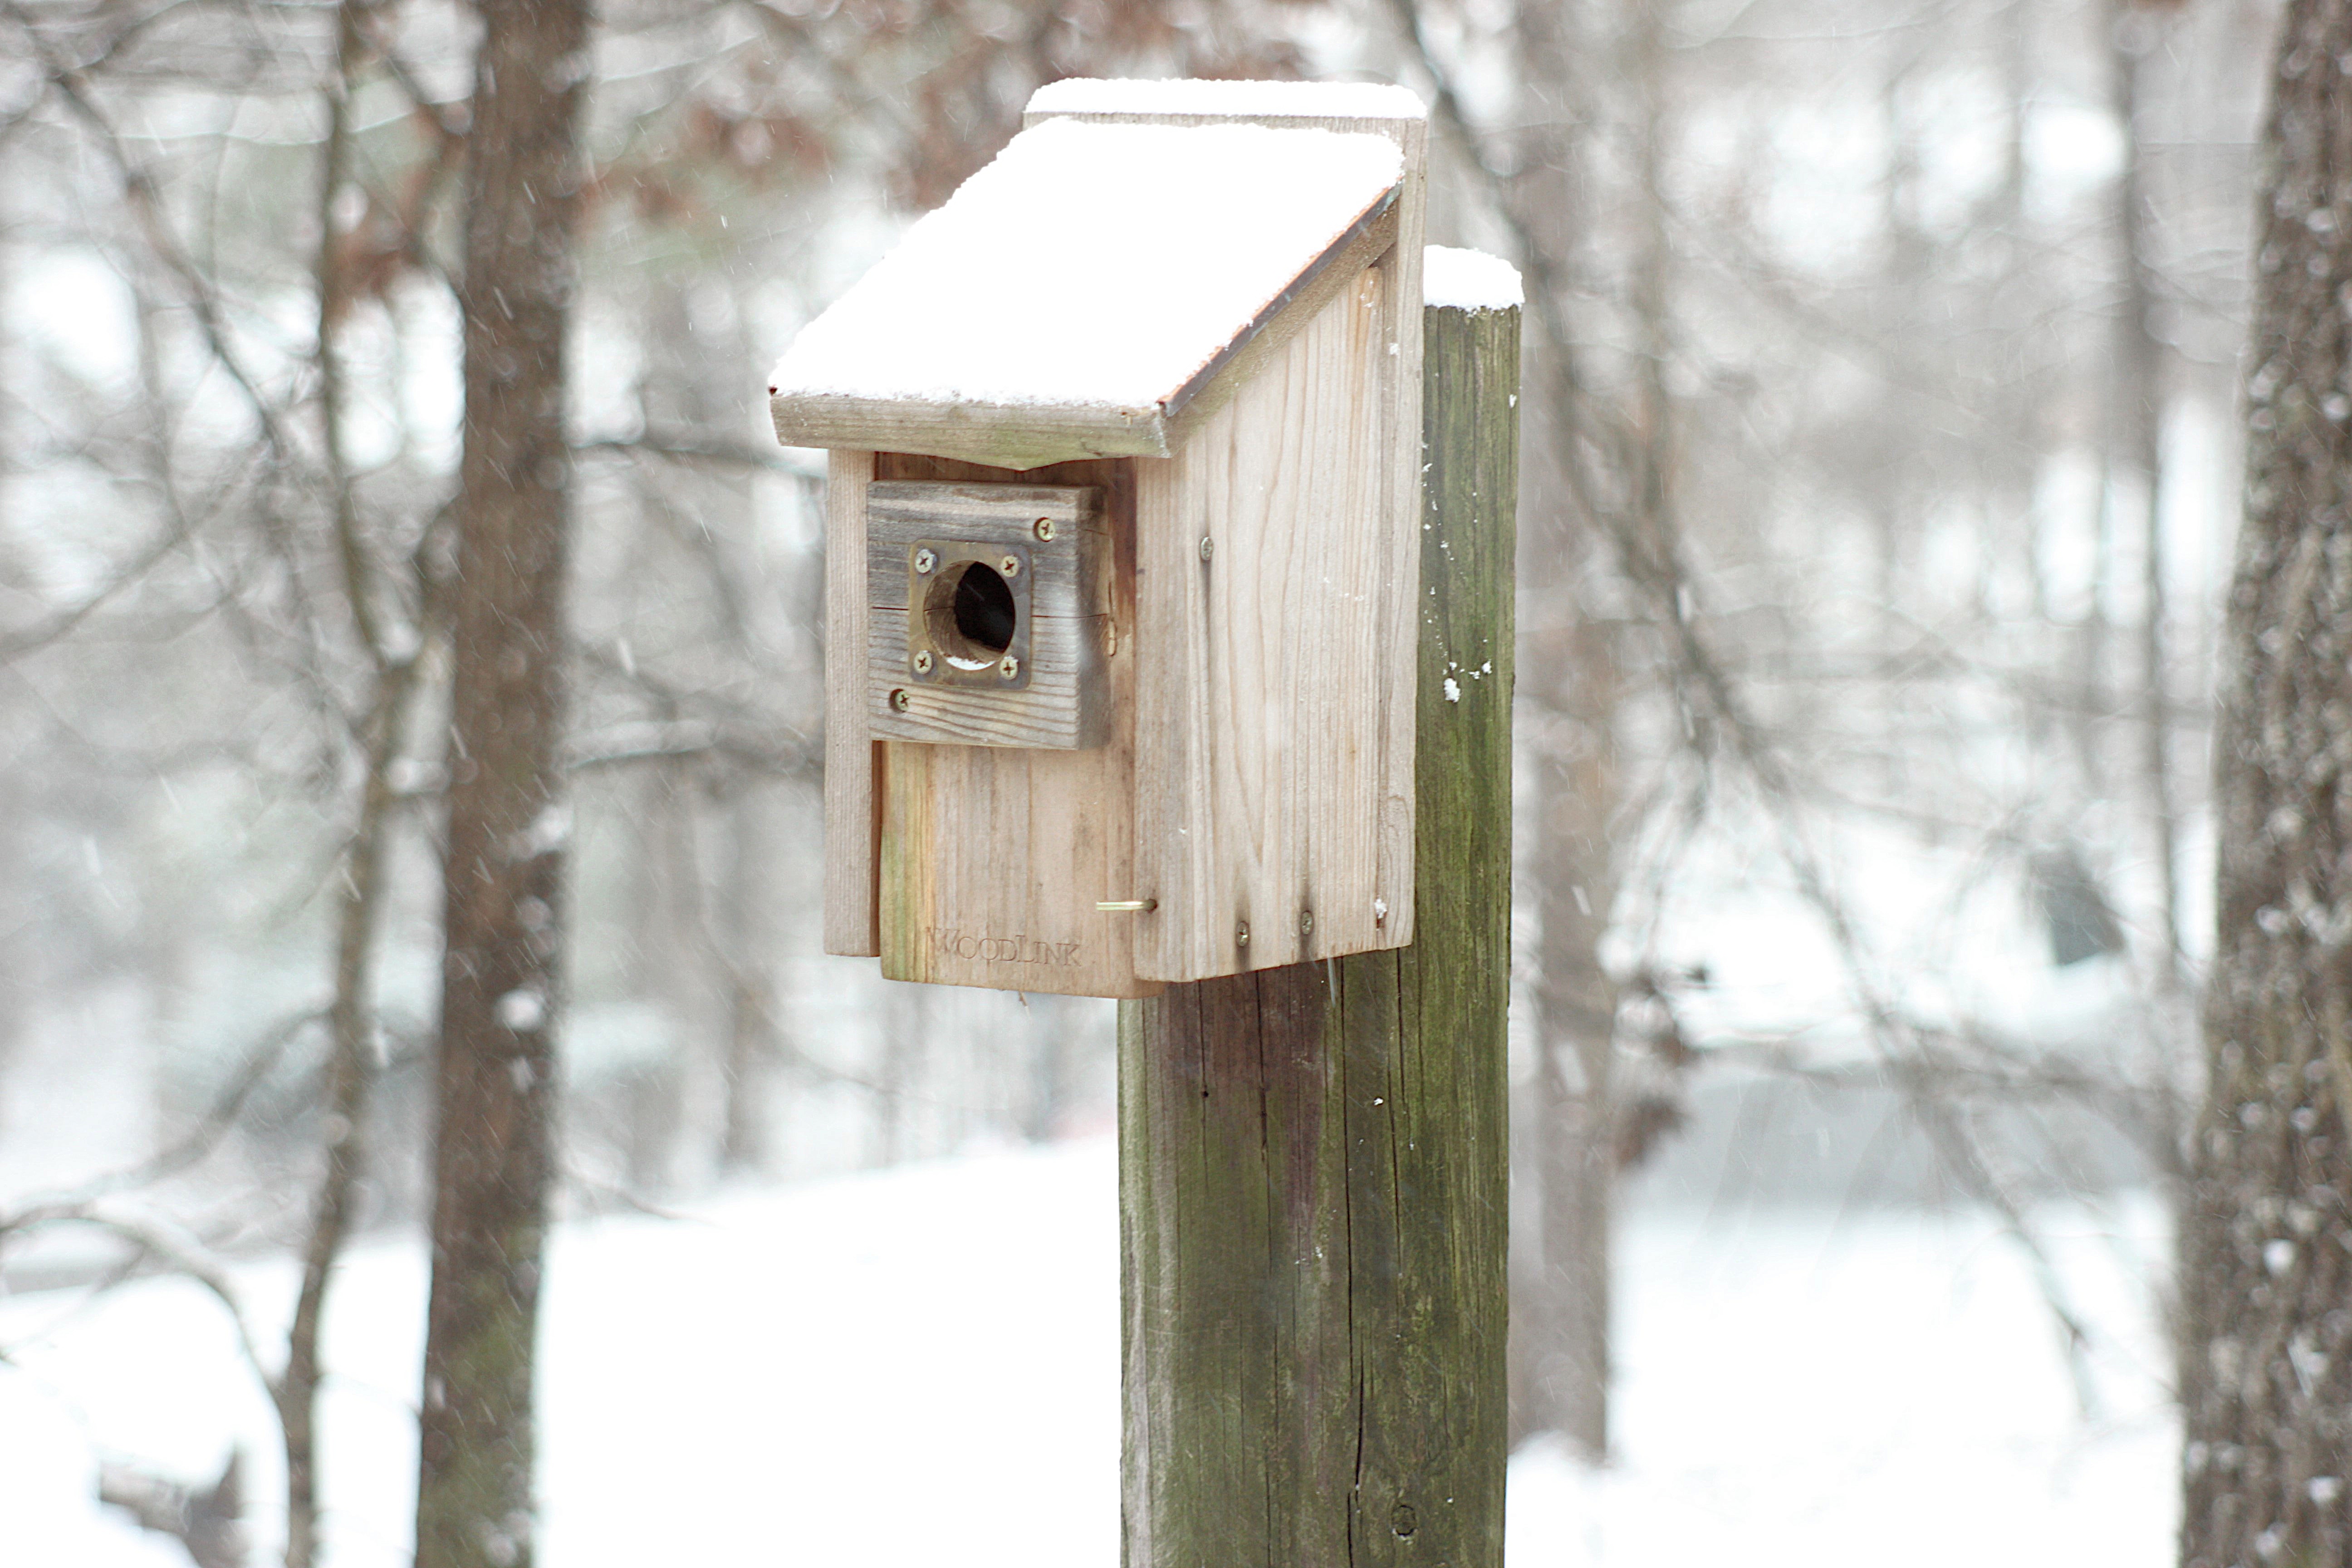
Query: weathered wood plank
point(1012, 435)
point(1064, 706)
point(1268, 605)
point(1056, 587)
point(1273, 874)
point(1053, 539)
point(852, 808)
point(1312, 1159)
point(1399, 275)
point(993, 859)
point(1007, 512)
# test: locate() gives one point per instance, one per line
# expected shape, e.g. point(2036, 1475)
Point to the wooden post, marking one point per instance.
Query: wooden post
point(1313, 1159)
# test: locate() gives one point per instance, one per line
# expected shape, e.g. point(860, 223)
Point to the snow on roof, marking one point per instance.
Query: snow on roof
point(1468, 280)
point(1091, 265)
point(1269, 99)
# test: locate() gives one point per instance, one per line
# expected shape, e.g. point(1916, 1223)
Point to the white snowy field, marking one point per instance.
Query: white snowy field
point(920, 1367)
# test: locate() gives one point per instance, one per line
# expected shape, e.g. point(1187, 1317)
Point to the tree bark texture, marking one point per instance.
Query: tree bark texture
point(2266, 1240)
point(1313, 1160)
point(496, 1086)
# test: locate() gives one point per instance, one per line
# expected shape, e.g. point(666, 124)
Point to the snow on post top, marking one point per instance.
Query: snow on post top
point(1091, 265)
point(1468, 280)
point(1242, 99)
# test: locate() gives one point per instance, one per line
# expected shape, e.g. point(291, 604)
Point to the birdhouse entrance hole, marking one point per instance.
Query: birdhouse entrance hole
point(972, 614)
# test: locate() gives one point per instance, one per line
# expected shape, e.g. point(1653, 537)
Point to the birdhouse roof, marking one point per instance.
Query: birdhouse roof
point(1076, 295)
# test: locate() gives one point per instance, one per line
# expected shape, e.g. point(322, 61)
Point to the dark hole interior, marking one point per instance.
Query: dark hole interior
point(984, 608)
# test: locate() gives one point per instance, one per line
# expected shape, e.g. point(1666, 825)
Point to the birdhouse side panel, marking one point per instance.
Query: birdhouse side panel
point(1192, 946)
point(992, 858)
point(852, 808)
point(1275, 705)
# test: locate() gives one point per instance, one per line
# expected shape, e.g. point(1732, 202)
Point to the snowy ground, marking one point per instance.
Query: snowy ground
point(919, 1367)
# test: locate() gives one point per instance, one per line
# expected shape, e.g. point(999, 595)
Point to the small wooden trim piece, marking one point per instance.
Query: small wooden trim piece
point(1019, 437)
point(853, 819)
point(1054, 536)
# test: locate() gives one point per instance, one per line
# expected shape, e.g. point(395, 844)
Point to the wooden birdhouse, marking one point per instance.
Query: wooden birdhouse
point(1122, 546)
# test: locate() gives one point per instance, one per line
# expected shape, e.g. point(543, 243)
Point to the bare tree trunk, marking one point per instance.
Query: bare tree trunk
point(2265, 1347)
point(509, 823)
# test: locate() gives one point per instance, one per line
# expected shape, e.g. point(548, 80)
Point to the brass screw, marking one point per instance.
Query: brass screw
point(1044, 531)
point(1009, 667)
point(1240, 934)
point(925, 561)
point(1208, 547)
point(922, 661)
point(1010, 566)
point(899, 701)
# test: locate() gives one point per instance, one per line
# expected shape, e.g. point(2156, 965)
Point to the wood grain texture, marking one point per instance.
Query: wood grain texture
point(1334, 496)
point(1066, 573)
point(852, 808)
point(1063, 707)
point(1313, 1171)
point(992, 859)
point(1059, 699)
point(1273, 682)
point(1015, 437)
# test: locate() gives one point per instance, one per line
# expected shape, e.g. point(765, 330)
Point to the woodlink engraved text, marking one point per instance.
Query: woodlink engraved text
point(954, 942)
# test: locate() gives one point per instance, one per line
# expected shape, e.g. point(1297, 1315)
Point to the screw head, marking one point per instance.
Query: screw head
point(922, 661)
point(1240, 934)
point(1010, 566)
point(899, 701)
point(1208, 547)
point(1305, 921)
point(1009, 667)
point(925, 559)
point(1044, 531)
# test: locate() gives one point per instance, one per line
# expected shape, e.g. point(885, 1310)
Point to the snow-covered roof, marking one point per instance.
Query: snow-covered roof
point(1237, 100)
point(1088, 276)
point(1468, 280)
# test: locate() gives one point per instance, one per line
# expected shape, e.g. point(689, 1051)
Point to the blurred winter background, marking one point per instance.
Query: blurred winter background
point(1880, 471)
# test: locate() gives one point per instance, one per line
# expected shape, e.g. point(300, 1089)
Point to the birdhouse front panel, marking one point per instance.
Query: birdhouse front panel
point(1123, 547)
point(992, 860)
